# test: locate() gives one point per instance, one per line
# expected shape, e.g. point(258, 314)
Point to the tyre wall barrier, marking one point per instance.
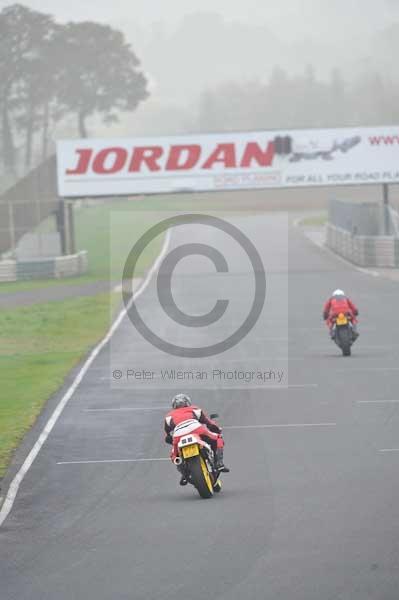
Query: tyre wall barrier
point(363, 250)
point(45, 268)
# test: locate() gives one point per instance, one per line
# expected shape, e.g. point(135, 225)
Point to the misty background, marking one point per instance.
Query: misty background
point(209, 65)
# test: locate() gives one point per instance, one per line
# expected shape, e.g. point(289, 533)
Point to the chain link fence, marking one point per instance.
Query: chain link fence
point(34, 222)
point(359, 218)
point(366, 233)
point(37, 238)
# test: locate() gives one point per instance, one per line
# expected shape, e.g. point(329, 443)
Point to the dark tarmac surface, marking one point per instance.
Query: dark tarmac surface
point(309, 510)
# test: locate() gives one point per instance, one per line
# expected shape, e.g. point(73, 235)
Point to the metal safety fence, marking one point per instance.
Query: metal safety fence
point(359, 218)
point(33, 219)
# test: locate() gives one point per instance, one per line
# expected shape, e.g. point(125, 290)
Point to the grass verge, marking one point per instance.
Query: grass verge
point(39, 345)
point(94, 234)
point(314, 221)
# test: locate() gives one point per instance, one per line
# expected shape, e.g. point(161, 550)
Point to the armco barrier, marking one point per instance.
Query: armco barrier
point(8, 270)
point(45, 268)
point(364, 250)
point(68, 266)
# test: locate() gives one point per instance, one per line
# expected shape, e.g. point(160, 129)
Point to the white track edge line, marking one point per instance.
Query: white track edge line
point(16, 482)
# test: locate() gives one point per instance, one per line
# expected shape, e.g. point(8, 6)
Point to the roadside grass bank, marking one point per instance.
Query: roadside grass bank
point(39, 345)
point(42, 342)
point(314, 220)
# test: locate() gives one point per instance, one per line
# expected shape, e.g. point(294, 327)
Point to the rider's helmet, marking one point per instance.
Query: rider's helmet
point(181, 400)
point(338, 293)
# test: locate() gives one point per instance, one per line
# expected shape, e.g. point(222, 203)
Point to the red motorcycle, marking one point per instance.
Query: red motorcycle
point(343, 333)
point(195, 459)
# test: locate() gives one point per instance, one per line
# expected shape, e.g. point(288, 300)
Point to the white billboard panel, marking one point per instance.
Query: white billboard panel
point(228, 161)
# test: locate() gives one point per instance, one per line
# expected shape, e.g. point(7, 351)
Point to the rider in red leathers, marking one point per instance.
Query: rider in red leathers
point(183, 411)
point(336, 304)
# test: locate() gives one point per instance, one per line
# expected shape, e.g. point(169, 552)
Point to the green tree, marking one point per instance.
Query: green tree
point(49, 70)
point(25, 68)
point(37, 85)
point(14, 43)
point(99, 73)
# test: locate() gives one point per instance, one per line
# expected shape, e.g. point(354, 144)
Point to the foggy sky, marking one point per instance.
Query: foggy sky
point(188, 46)
point(290, 18)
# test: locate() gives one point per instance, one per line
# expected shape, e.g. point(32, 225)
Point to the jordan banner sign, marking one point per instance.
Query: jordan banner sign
point(228, 161)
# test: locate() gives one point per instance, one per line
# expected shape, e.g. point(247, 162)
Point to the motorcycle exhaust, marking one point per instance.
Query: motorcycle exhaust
point(177, 461)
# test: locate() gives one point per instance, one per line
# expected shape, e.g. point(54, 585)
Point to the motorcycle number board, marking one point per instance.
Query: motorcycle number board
point(190, 451)
point(228, 161)
point(342, 320)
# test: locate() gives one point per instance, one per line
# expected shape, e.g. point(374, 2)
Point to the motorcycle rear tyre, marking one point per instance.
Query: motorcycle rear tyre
point(345, 342)
point(201, 477)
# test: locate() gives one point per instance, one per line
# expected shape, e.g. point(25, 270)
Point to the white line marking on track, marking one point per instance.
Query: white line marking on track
point(116, 460)
point(389, 450)
point(378, 401)
point(267, 386)
point(282, 386)
point(322, 328)
point(119, 288)
point(16, 482)
point(126, 409)
point(360, 347)
point(250, 359)
point(278, 425)
point(271, 339)
point(368, 369)
point(302, 385)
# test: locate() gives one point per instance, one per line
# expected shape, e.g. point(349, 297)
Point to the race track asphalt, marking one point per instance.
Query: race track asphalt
point(310, 509)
